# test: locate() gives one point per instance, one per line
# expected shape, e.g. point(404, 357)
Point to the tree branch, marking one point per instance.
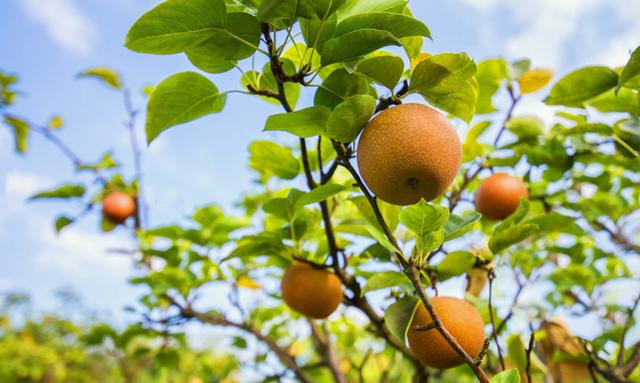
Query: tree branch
point(324, 347)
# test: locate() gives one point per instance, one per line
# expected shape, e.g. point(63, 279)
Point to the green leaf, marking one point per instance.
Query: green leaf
point(62, 222)
point(454, 95)
point(287, 11)
point(555, 222)
point(318, 194)
point(317, 32)
point(516, 217)
point(175, 26)
point(106, 162)
point(304, 123)
point(385, 279)
point(507, 237)
point(266, 80)
point(491, 74)
point(472, 147)
point(458, 226)
point(107, 76)
point(64, 191)
point(106, 225)
point(631, 70)
point(355, 7)
point(269, 158)
point(181, 98)
point(339, 86)
point(624, 101)
point(380, 237)
point(454, 264)
point(399, 315)
point(446, 81)
point(349, 118)
point(423, 217)
point(355, 44)
point(508, 376)
point(516, 351)
point(526, 127)
point(582, 85)
point(385, 70)
point(20, 133)
point(239, 40)
point(398, 25)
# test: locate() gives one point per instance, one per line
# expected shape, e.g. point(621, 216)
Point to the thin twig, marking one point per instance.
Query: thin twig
point(493, 323)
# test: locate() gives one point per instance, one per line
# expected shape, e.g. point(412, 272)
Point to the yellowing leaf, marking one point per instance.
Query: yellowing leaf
point(421, 57)
point(534, 79)
point(248, 283)
point(56, 122)
point(296, 348)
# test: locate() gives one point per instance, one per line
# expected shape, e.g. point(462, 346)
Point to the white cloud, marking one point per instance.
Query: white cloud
point(544, 27)
point(64, 23)
point(18, 185)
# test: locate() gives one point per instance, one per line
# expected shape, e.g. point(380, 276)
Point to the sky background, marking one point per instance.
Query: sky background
point(47, 42)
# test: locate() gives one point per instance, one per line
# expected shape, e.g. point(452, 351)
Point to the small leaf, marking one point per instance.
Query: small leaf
point(380, 238)
point(269, 158)
point(248, 283)
point(399, 315)
point(631, 70)
point(458, 226)
point(534, 79)
point(526, 127)
point(505, 238)
point(423, 217)
point(385, 70)
point(319, 194)
point(349, 118)
point(64, 191)
point(107, 76)
point(181, 98)
point(624, 101)
point(62, 222)
point(508, 376)
point(20, 133)
point(582, 85)
point(455, 263)
point(304, 123)
point(385, 279)
point(516, 351)
point(515, 217)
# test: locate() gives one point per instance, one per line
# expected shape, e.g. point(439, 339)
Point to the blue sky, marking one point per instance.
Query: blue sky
point(47, 42)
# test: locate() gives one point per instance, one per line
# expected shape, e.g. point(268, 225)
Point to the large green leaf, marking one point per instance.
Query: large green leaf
point(355, 44)
point(318, 194)
point(181, 98)
point(398, 25)
point(459, 225)
point(269, 158)
point(385, 279)
point(302, 123)
point(349, 118)
point(423, 217)
point(385, 70)
point(175, 26)
point(275, 11)
point(582, 85)
point(508, 237)
point(317, 32)
point(339, 86)
point(446, 81)
point(455, 263)
point(623, 101)
point(355, 7)
point(399, 315)
point(491, 74)
point(631, 70)
point(239, 40)
point(64, 191)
